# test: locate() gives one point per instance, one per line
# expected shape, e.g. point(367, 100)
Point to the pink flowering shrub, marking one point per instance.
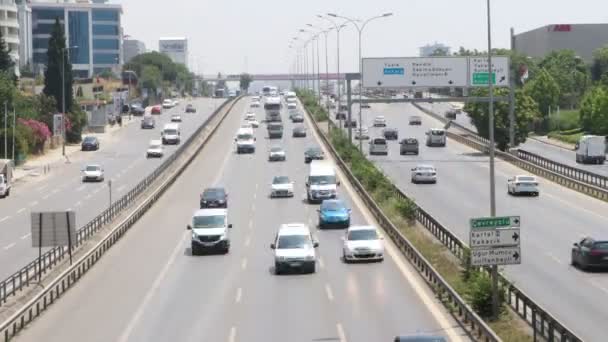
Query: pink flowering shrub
point(40, 133)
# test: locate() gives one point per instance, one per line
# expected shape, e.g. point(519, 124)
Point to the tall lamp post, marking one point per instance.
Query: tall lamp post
point(324, 32)
point(360, 27)
point(63, 52)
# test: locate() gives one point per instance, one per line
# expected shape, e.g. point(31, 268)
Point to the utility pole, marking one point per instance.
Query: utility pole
point(14, 124)
point(5, 130)
point(63, 101)
point(512, 97)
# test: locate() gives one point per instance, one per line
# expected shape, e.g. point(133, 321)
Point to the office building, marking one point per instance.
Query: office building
point(24, 17)
point(430, 49)
point(93, 35)
point(175, 48)
point(582, 38)
point(9, 24)
point(132, 48)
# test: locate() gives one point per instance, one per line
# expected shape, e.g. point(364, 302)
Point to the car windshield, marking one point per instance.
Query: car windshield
point(332, 205)
point(244, 136)
point(437, 132)
point(320, 180)
point(425, 168)
point(603, 245)
point(92, 168)
point(211, 221)
point(414, 118)
point(313, 151)
point(363, 234)
point(89, 139)
point(280, 180)
point(155, 145)
point(299, 128)
point(293, 241)
point(171, 132)
point(410, 141)
point(526, 179)
point(276, 149)
point(214, 194)
point(379, 142)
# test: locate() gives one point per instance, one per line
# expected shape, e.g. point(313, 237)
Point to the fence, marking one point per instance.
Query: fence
point(30, 272)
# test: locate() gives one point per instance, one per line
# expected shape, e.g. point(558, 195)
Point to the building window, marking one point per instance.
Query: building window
point(105, 58)
point(105, 15)
point(47, 14)
point(78, 23)
point(105, 44)
point(41, 43)
point(105, 30)
point(39, 28)
point(40, 58)
point(80, 73)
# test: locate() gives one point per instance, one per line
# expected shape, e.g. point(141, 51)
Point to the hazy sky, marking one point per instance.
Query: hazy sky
point(233, 36)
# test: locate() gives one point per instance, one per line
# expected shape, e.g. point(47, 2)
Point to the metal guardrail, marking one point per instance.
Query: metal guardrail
point(69, 277)
point(440, 286)
point(30, 272)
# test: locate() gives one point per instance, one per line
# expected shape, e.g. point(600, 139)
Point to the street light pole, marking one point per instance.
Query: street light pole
point(14, 124)
point(338, 28)
point(63, 102)
point(5, 130)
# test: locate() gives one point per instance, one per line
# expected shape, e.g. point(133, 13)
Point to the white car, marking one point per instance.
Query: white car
point(254, 123)
point(255, 104)
point(255, 98)
point(167, 103)
point(380, 121)
point(250, 116)
point(281, 187)
point(362, 243)
point(362, 133)
point(176, 118)
point(246, 124)
point(155, 149)
point(294, 248)
point(291, 105)
point(92, 173)
point(424, 174)
point(175, 102)
point(277, 153)
point(523, 184)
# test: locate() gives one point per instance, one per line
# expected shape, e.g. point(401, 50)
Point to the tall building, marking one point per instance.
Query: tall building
point(93, 34)
point(430, 49)
point(175, 48)
point(132, 48)
point(24, 17)
point(9, 24)
point(582, 38)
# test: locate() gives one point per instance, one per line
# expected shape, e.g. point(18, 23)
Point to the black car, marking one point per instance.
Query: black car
point(137, 109)
point(299, 132)
point(89, 144)
point(590, 253)
point(390, 134)
point(214, 198)
point(297, 118)
point(340, 116)
point(365, 105)
point(351, 123)
point(313, 153)
point(451, 113)
point(190, 108)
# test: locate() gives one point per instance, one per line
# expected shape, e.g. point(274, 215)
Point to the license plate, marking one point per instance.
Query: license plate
point(605, 258)
point(295, 264)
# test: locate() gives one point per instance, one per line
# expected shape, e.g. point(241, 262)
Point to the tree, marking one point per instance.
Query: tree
point(439, 52)
point(594, 111)
point(545, 91)
point(150, 77)
point(6, 62)
point(245, 81)
point(53, 74)
point(526, 113)
point(599, 66)
point(571, 74)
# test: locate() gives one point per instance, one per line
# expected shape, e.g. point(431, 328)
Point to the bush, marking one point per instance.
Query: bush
point(479, 294)
point(564, 121)
point(40, 133)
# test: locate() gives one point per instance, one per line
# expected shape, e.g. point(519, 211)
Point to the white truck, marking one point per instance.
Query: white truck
point(591, 149)
point(6, 175)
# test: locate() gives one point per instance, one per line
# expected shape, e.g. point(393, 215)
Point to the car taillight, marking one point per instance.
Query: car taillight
point(596, 252)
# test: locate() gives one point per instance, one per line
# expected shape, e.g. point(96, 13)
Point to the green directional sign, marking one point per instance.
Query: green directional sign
point(495, 222)
point(481, 78)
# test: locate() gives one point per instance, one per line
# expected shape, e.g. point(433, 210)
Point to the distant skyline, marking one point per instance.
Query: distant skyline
point(253, 36)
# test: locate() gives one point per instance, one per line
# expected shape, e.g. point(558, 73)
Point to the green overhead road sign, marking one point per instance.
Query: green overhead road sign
point(494, 222)
point(481, 78)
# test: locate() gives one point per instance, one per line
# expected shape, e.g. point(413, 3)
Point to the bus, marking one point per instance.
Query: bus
point(273, 106)
point(269, 91)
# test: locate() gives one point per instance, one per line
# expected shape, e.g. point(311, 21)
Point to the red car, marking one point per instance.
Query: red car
point(156, 109)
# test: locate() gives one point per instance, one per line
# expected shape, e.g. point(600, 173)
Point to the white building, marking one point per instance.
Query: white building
point(9, 24)
point(175, 48)
point(132, 48)
point(429, 49)
point(24, 16)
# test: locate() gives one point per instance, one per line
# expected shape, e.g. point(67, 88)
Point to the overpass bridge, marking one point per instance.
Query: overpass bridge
point(277, 77)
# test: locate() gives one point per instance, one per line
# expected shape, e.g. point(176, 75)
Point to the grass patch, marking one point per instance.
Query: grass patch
point(571, 138)
point(564, 120)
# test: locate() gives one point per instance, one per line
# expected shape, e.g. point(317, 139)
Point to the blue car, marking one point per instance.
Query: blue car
point(334, 213)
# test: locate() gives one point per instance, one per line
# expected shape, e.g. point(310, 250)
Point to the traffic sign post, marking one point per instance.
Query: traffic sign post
point(495, 222)
point(495, 240)
point(494, 237)
point(509, 255)
point(479, 71)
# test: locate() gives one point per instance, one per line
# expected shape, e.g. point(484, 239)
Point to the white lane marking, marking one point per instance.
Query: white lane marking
point(88, 196)
point(121, 188)
point(232, 335)
point(7, 247)
point(33, 203)
point(26, 236)
point(599, 286)
point(43, 187)
point(68, 209)
point(46, 196)
point(253, 207)
point(244, 263)
point(247, 241)
point(341, 333)
point(330, 294)
point(552, 256)
point(80, 188)
point(96, 190)
point(4, 218)
point(250, 224)
point(255, 195)
point(256, 186)
point(124, 337)
point(417, 284)
point(20, 210)
point(78, 204)
point(321, 263)
point(239, 295)
point(55, 191)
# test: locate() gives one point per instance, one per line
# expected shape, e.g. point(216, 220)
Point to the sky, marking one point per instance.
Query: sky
point(234, 36)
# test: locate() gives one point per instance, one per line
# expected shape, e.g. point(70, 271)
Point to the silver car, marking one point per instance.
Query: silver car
point(378, 146)
point(362, 133)
point(424, 174)
point(277, 153)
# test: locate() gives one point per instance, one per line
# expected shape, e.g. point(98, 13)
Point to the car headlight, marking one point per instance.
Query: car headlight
point(310, 257)
point(194, 236)
point(221, 201)
point(223, 237)
point(280, 258)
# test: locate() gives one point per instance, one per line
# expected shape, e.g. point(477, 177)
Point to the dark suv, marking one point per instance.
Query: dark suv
point(190, 108)
point(313, 153)
point(214, 198)
point(390, 133)
point(90, 144)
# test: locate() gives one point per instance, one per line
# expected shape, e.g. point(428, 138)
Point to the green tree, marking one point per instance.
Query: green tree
point(545, 91)
point(594, 111)
point(53, 74)
point(526, 113)
point(150, 77)
point(6, 62)
point(245, 81)
point(439, 52)
point(599, 66)
point(571, 74)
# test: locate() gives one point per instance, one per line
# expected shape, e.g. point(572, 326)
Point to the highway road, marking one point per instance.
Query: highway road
point(555, 153)
point(125, 163)
point(150, 288)
point(550, 222)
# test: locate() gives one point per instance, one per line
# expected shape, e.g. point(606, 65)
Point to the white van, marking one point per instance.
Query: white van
point(245, 141)
point(436, 137)
point(591, 149)
point(321, 182)
point(210, 231)
point(170, 134)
